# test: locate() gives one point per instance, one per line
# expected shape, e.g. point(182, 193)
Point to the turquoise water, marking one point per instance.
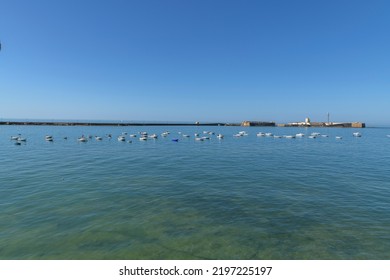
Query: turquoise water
point(237, 198)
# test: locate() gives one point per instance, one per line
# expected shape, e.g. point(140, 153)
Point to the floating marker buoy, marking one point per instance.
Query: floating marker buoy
point(175, 140)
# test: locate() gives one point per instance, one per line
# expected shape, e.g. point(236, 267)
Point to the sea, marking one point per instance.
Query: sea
point(241, 198)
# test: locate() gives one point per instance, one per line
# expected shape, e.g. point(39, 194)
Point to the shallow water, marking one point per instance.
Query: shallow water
point(237, 198)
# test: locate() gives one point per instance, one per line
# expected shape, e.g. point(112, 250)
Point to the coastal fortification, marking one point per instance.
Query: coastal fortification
point(308, 123)
point(325, 124)
point(257, 123)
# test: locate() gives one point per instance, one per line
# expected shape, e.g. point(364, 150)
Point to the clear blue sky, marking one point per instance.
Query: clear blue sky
point(195, 60)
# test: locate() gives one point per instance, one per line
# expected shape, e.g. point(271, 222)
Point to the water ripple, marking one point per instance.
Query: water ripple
point(239, 198)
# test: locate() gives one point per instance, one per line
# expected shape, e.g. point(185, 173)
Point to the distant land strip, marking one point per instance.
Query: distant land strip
point(113, 123)
point(244, 123)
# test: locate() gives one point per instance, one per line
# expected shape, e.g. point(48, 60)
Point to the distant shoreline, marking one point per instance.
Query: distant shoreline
point(244, 124)
point(66, 123)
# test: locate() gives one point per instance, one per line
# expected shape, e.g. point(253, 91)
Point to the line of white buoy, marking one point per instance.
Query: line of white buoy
point(144, 136)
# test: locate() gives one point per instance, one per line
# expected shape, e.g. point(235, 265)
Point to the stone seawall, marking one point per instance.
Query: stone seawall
point(110, 124)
